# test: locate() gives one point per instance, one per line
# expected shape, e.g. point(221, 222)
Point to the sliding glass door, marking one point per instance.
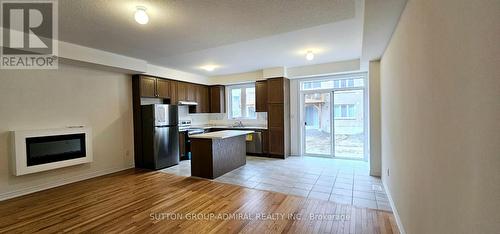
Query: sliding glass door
point(333, 114)
point(348, 118)
point(318, 124)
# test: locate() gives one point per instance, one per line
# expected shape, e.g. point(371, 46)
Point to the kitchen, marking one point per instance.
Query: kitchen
point(337, 116)
point(198, 110)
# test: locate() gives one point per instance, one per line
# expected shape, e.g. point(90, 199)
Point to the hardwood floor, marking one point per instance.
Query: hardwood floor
point(135, 201)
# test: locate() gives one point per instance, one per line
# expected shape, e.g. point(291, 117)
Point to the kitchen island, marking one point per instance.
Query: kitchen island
point(217, 153)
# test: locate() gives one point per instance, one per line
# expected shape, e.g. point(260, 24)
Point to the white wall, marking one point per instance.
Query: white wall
point(71, 95)
point(374, 119)
point(323, 69)
point(82, 54)
point(440, 117)
point(238, 78)
point(174, 74)
point(70, 53)
point(274, 72)
point(295, 124)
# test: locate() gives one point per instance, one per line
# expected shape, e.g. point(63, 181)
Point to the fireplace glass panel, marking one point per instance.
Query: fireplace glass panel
point(41, 150)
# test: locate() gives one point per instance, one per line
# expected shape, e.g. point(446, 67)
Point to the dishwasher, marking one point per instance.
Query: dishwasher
point(254, 143)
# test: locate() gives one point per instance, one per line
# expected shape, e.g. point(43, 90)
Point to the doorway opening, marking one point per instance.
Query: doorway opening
point(333, 116)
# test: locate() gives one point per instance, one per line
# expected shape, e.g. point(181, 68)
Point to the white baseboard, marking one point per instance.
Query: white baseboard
point(394, 210)
point(69, 180)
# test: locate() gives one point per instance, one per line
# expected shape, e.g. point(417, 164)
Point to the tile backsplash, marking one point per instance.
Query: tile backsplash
point(223, 120)
point(219, 118)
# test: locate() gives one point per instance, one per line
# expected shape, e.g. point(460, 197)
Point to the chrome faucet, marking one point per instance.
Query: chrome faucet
point(238, 123)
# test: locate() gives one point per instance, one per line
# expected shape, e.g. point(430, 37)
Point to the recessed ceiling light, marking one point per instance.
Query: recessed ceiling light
point(309, 55)
point(140, 15)
point(209, 67)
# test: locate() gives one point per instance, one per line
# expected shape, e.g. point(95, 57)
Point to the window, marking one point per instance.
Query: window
point(346, 83)
point(242, 101)
point(333, 84)
point(344, 111)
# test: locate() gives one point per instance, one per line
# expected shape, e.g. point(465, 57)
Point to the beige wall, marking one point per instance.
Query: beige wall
point(374, 112)
point(68, 96)
point(440, 115)
point(238, 78)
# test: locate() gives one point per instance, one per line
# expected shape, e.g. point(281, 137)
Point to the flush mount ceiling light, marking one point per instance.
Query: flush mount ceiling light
point(209, 67)
point(309, 55)
point(140, 15)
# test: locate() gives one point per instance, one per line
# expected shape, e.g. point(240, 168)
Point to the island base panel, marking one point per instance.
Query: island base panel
point(211, 158)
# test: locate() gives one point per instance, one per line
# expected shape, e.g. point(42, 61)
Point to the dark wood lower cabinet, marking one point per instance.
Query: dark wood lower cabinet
point(275, 115)
point(182, 146)
point(265, 142)
point(276, 142)
point(275, 118)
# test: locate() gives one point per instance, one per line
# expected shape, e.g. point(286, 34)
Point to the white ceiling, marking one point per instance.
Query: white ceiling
point(331, 42)
point(381, 17)
point(239, 36)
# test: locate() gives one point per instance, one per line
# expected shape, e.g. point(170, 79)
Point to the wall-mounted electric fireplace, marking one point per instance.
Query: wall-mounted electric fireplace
point(47, 149)
point(41, 150)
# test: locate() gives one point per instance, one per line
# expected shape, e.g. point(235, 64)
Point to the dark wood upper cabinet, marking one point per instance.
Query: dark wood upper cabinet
point(261, 96)
point(275, 91)
point(182, 90)
point(217, 99)
point(173, 92)
point(192, 90)
point(204, 99)
point(198, 98)
point(201, 96)
point(154, 87)
point(163, 88)
point(148, 86)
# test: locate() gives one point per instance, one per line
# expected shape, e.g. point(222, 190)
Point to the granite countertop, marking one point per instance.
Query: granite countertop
point(221, 134)
point(228, 127)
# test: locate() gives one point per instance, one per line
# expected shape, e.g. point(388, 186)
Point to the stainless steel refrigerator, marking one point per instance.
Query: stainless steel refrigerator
point(160, 136)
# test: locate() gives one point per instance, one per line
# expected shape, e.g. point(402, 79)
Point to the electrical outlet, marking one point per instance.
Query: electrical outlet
point(388, 172)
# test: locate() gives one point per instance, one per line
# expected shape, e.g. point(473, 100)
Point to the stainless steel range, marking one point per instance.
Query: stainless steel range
point(186, 130)
point(185, 125)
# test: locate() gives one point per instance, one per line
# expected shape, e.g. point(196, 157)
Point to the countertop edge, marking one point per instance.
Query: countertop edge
point(231, 128)
point(208, 135)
